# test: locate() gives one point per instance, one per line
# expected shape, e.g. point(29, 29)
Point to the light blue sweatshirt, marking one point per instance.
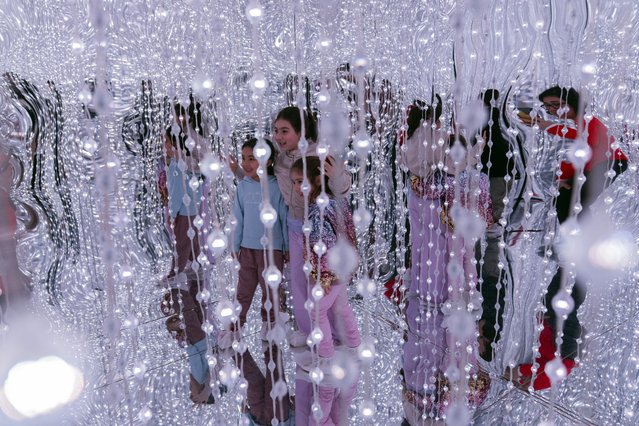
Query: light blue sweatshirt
point(178, 185)
point(246, 209)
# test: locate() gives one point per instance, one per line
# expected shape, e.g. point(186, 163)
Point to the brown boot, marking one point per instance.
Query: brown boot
point(201, 393)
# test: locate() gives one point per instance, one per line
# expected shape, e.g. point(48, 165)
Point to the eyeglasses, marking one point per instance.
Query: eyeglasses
point(553, 105)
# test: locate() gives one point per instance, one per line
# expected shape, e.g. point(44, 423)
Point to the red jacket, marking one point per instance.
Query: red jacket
point(547, 349)
point(598, 139)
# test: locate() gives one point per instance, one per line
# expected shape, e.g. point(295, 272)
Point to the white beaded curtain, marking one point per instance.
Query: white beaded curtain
point(100, 244)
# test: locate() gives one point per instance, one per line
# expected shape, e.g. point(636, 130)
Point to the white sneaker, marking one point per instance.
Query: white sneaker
point(304, 359)
point(297, 339)
point(307, 363)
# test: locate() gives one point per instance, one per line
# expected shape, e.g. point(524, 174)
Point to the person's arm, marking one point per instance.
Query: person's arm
point(175, 187)
point(339, 179)
point(238, 213)
point(238, 172)
point(529, 121)
point(282, 214)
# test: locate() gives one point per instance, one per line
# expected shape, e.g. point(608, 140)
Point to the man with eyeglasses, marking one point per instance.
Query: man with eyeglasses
point(606, 162)
point(565, 104)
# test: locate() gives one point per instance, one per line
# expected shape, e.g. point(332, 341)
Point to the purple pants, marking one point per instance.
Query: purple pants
point(252, 265)
point(299, 283)
point(344, 324)
point(334, 404)
point(427, 340)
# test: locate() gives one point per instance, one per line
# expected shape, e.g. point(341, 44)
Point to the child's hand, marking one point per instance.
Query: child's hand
point(514, 375)
point(530, 121)
point(329, 167)
point(233, 164)
point(564, 184)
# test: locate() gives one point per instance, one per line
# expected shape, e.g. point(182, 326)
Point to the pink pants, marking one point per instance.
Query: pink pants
point(344, 324)
point(334, 404)
point(427, 339)
point(299, 284)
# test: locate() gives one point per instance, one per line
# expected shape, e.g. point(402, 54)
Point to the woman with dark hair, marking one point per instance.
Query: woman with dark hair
point(434, 177)
point(496, 164)
point(287, 132)
point(494, 158)
point(334, 314)
point(263, 406)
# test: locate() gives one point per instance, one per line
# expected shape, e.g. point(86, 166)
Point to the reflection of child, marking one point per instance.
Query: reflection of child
point(259, 393)
point(430, 202)
point(337, 222)
point(249, 232)
point(184, 281)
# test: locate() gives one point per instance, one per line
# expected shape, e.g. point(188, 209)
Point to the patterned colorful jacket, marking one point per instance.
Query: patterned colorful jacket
point(338, 221)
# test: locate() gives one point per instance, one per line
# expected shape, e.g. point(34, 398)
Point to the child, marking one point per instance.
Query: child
point(184, 282)
point(287, 132)
point(248, 244)
point(337, 221)
point(249, 232)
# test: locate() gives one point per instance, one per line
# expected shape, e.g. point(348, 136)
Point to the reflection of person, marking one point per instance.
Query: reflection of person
point(263, 406)
point(332, 221)
point(13, 284)
point(249, 232)
point(431, 198)
point(341, 402)
point(497, 165)
point(494, 159)
point(185, 283)
point(287, 131)
point(423, 352)
point(565, 104)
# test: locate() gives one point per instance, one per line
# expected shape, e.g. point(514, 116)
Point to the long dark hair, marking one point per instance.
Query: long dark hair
point(292, 115)
point(250, 143)
point(419, 111)
point(312, 173)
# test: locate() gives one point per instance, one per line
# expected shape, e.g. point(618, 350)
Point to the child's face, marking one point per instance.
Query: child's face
point(168, 147)
point(297, 177)
point(249, 163)
point(285, 135)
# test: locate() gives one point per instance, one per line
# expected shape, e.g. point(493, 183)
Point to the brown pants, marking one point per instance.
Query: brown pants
point(258, 394)
point(252, 265)
point(191, 309)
